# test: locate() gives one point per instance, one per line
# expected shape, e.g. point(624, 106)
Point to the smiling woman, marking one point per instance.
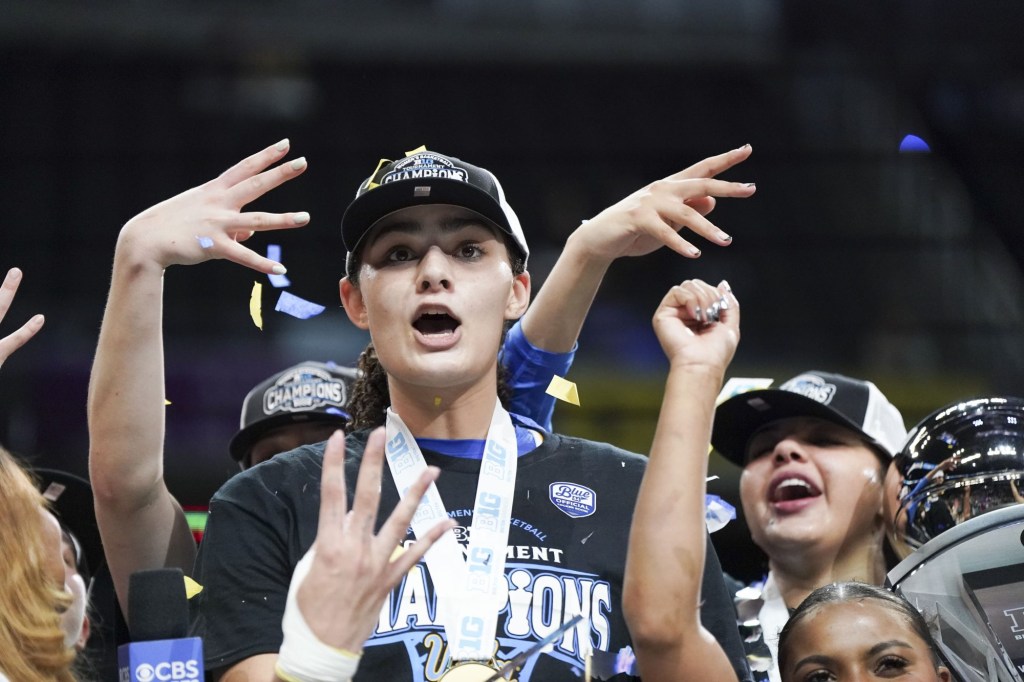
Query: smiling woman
point(814, 453)
point(435, 271)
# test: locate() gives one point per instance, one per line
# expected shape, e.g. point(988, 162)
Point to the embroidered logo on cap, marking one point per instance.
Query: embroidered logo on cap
point(811, 386)
point(575, 500)
point(424, 165)
point(303, 389)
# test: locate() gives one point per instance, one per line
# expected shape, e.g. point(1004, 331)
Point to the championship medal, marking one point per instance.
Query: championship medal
point(469, 672)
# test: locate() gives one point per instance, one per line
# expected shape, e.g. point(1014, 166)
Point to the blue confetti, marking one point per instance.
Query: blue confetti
point(913, 143)
point(717, 512)
point(204, 242)
point(297, 307)
point(274, 254)
point(335, 410)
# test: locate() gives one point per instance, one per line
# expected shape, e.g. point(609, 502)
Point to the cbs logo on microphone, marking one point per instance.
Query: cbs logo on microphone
point(173, 671)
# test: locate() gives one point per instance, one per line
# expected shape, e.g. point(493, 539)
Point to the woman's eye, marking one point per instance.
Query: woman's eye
point(890, 666)
point(470, 251)
point(399, 254)
point(819, 676)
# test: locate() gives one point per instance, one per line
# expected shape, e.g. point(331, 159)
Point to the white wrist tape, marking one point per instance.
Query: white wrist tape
point(303, 657)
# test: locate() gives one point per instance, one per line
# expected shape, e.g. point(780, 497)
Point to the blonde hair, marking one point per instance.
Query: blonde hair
point(31, 639)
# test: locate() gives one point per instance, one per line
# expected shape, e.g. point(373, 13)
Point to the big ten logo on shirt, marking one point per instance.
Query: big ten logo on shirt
point(540, 593)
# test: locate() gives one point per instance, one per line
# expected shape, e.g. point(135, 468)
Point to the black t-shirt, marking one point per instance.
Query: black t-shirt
point(573, 506)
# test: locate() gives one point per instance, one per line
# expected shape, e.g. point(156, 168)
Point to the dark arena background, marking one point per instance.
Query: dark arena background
point(856, 255)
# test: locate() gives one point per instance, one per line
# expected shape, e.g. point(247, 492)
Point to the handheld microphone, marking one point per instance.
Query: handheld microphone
point(158, 618)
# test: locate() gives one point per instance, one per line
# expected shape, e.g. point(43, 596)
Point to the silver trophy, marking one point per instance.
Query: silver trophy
point(955, 514)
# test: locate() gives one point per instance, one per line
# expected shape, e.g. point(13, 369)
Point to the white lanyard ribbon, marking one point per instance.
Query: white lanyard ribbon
point(469, 591)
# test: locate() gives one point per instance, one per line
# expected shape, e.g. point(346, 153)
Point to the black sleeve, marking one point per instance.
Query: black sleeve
point(245, 569)
point(718, 614)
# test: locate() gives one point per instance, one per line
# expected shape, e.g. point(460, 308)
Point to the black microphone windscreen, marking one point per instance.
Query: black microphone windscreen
point(157, 605)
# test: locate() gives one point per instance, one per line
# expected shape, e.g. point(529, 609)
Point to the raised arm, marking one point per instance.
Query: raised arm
point(20, 337)
point(141, 524)
point(641, 223)
point(665, 560)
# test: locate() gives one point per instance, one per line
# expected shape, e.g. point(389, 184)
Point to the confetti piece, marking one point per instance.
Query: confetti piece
point(710, 478)
point(336, 411)
point(204, 242)
point(737, 385)
point(717, 512)
point(913, 143)
point(437, 401)
point(274, 254)
point(192, 588)
point(399, 551)
point(255, 310)
point(421, 148)
point(563, 389)
point(166, 401)
point(297, 307)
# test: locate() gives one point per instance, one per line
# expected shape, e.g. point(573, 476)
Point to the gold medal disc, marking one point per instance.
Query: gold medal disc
point(468, 672)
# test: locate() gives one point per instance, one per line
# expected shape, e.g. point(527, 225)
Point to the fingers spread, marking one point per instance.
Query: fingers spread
point(251, 165)
point(394, 528)
point(333, 504)
point(680, 215)
point(702, 205)
point(713, 165)
point(404, 562)
point(237, 253)
point(8, 289)
point(14, 341)
point(255, 186)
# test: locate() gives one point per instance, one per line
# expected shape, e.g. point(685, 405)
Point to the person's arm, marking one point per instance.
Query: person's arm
point(637, 225)
point(20, 337)
point(141, 524)
point(339, 587)
point(665, 558)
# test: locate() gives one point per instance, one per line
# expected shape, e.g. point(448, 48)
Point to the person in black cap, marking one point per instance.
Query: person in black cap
point(124, 419)
point(436, 268)
point(814, 453)
point(302, 404)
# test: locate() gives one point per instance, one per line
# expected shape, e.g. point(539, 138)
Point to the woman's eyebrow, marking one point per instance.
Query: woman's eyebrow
point(815, 659)
point(456, 223)
point(892, 643)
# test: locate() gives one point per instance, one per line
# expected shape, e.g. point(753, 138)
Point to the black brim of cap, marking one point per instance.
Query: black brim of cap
point(736, 419)
point(243, 441)
point(376, 203)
